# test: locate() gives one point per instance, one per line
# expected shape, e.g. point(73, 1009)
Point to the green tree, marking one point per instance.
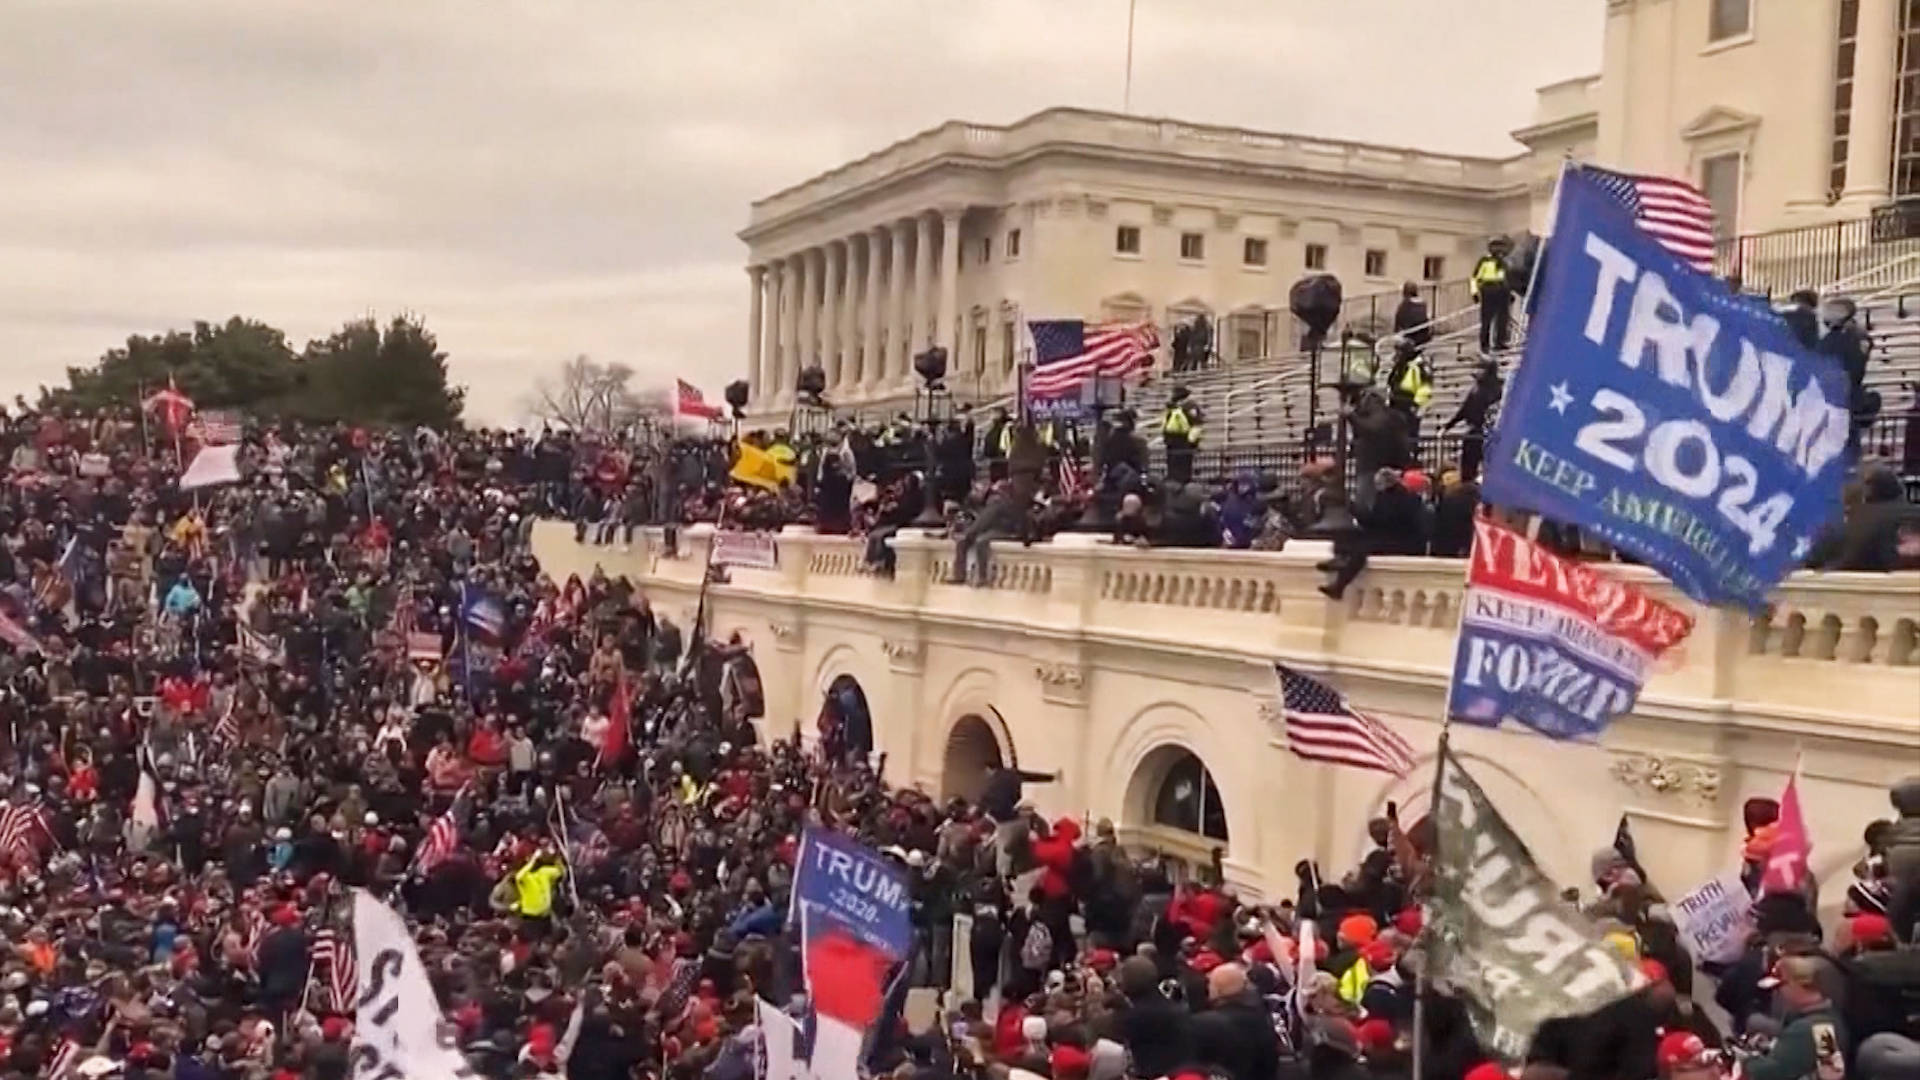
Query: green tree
point(366, 374)
point(237, 364)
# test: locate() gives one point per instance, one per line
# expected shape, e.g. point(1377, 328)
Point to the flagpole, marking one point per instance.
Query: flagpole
point(1126, 92)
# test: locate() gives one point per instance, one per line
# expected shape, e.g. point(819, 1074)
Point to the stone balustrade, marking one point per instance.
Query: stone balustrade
point(1105, 663)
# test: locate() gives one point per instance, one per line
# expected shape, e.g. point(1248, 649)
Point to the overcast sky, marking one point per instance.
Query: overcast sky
point(548, 177)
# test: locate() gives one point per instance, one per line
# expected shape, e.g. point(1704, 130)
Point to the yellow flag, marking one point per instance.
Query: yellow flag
point(752, 465)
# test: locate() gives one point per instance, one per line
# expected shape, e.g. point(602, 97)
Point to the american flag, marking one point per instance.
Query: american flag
point(1322, 726)
point(227, 731)
point(21, 827)
point(1073, 483)
point(65, 1057)
point(217, 427)
point(1673, 212)
point(1068, 352)
point(332, 950)
point(443, 836)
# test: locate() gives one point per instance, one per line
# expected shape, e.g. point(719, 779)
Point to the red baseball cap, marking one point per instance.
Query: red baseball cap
point(1679, 1048)
point(1654, 970)
point(1869, 928)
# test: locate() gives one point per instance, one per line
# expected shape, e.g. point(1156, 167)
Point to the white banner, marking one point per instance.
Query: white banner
point(779, 1035)
point(397, 1026)
point(1715, 919)
point(212, 465)
point(753, 550)
point(960, 975)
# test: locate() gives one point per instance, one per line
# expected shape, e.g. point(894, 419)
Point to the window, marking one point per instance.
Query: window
point(986, 248)
point(1008, 337)
point(1729, 19)
point(1720, 181)
point(1376, 263)
point(1126, 239)
point(1433, 268)
point(1844, 44)
point(1254, 251)
point(979, 344)
point(1193, 245)
point(1013, 243)
point(1316, 256)
point(1189, 801)
point(1906, 111)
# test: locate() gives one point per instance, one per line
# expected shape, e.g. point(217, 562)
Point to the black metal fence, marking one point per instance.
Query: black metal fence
point(1777, 263)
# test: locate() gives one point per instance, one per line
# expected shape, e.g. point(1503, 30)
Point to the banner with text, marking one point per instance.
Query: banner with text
point(1682, 423)
point(398, 1029)
point(1514, 951)
point(1715, 920)
point(843, 885)
point(754, 550)
point(1550, 643)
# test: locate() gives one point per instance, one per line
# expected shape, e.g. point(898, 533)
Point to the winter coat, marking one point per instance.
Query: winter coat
point(1237, 1035)
point(1797, 1053)
point(1903, 860)
point(1157, 1032)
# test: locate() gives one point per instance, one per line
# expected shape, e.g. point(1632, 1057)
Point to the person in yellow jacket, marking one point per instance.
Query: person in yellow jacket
point(1180, 432)
point(1374, 964)
point(533, 886)
point(1490, 287)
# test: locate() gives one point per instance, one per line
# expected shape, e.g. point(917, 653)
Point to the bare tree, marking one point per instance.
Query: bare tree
point(588, 397)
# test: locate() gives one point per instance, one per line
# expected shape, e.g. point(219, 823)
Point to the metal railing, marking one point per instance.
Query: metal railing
point(1777, 263)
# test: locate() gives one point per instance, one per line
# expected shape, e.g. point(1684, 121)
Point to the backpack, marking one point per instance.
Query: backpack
point(1036, 952)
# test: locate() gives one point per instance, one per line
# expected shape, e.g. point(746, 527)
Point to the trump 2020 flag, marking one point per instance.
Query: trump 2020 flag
point(854, 910)
point(1682, 424)
point(1550, 643)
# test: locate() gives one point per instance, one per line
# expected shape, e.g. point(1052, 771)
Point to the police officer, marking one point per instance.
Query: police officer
point(1180, 431)
point(1490, 287)
point(1409, 384)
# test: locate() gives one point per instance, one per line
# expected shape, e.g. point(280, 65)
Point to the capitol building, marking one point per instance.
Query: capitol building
point(1789, 114)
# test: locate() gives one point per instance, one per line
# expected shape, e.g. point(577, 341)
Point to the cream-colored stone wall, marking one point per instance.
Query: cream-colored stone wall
point(1092, 660)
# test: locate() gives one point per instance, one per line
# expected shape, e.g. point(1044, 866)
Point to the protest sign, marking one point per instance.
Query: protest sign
point(1715, 920)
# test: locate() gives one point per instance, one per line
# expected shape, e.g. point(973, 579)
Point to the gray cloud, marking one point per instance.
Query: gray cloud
point(545, 179)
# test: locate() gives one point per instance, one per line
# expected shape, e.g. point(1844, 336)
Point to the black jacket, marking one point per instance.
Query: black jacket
point(1237, 1035)
point(1158, 1033)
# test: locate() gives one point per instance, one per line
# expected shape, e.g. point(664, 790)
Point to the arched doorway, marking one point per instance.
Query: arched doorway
point(972, 754)
point(1174, 810)
point(846, 705)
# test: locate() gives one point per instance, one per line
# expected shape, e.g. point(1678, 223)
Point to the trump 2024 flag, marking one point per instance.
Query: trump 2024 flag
point(1550, 643)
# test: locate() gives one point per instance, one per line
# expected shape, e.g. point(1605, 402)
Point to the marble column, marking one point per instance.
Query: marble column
point(809, 309)
point(833, 297)
point(944, 329)
point(923, 299)
point(871, 360)
point(770, 385)
point(756, 329)
point(793, 289)
point(900, 321)
point(1870, 140)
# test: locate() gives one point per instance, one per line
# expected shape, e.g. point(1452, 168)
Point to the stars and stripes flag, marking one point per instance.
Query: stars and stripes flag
point(1073, 483)
point(64, 1058)
point(443, 836)
point(1675, 213)
point(216, 427)
point(331, 949)
point(1322, 726)
point(1068, 352)
point(170, 405)
point(21, 827)
point(689, 401)
point(226, 731)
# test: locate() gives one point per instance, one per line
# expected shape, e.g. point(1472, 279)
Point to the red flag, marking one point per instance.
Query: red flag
point(613, 745)
point(172, 406)
point(846, 977)
point(1786, 869)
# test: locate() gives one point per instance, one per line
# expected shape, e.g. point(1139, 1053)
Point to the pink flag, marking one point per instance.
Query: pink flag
point(1786, 870)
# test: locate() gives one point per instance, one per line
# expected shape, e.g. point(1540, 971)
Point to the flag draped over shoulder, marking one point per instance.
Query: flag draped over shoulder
point(1515, 953)
point(1553, 644)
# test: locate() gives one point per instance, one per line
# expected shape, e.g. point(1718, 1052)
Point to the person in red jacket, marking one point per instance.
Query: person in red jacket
point(1054, 852)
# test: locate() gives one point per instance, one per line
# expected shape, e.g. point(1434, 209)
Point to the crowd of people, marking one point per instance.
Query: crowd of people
point(225, 707)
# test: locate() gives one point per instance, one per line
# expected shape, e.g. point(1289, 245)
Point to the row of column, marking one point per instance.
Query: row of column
point(1876, 62)
point(858, 307)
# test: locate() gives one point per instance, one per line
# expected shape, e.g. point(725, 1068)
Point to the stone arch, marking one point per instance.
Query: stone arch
point(974, 749)
point(843, 661)
point(1173, 788)
point(1134, 766)
point(846, 700)
point(1125, 306)
point(1532, 816)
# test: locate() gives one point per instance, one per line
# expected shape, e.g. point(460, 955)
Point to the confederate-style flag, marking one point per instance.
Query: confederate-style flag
point(690, 402)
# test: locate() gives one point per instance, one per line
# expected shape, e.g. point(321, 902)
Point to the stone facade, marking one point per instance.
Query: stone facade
point(1119, 667)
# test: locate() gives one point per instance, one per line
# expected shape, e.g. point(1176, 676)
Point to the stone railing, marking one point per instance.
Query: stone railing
point(1092, 659)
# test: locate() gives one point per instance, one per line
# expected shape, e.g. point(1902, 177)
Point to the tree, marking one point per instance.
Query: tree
point(589, 397)
point(236, 364)
point(361, 374)
point(366, 375)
